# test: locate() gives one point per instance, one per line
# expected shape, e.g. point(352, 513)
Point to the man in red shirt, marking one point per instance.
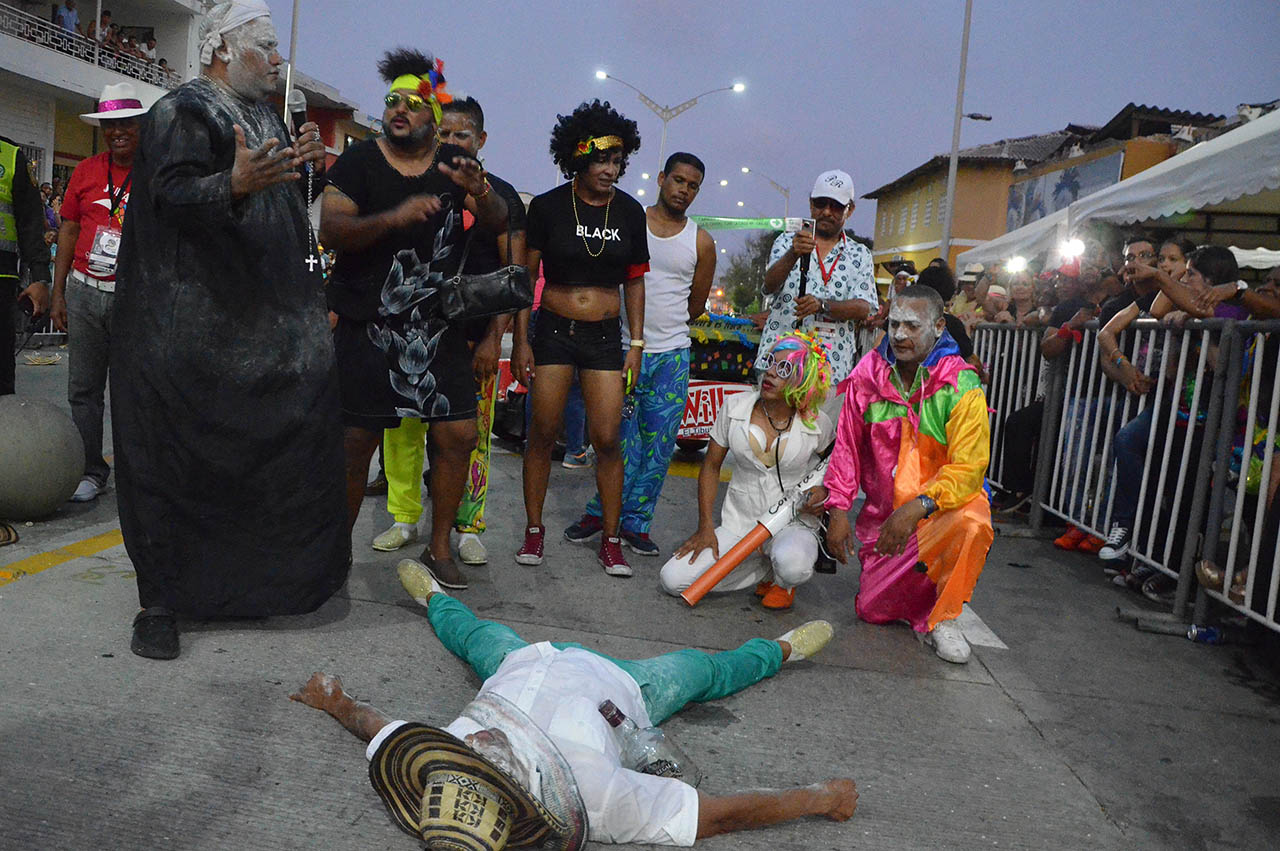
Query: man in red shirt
point(84, 279)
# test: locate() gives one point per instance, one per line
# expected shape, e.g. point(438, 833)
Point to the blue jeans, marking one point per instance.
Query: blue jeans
point(89, 345)
point(667, 682)
point(1130, 452)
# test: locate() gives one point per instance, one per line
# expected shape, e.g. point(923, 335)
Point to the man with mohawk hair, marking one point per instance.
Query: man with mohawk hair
point(393, 212)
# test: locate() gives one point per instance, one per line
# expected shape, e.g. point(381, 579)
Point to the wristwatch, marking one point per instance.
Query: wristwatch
point(822, 303)
point(929, 504)
point(1241, 286)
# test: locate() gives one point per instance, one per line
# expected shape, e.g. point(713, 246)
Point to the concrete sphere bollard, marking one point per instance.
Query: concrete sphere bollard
point(41, 458)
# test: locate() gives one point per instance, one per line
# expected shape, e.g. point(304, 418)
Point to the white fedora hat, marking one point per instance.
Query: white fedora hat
point(119, 100)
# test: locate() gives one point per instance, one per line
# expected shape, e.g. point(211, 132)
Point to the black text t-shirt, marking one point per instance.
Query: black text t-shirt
point(363, 174)
point(567, 242)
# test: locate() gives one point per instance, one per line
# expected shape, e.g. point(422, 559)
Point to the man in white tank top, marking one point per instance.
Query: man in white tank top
point(682, 264)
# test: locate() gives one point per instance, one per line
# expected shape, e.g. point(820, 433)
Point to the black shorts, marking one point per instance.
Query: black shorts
point(574, 342)
point(369, 400)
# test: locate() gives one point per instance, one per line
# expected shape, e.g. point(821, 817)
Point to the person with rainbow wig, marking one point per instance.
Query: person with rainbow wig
point(776, 435)
point(915, 437)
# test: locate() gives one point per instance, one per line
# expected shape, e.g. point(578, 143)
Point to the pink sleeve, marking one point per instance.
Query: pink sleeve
point(842, 468)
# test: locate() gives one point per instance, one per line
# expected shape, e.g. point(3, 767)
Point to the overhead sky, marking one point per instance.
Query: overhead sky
point(868, 87)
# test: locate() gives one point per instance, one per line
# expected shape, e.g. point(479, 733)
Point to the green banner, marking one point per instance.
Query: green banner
point(732, 223)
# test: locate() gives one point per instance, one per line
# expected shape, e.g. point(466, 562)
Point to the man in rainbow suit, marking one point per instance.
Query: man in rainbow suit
point(914, 436)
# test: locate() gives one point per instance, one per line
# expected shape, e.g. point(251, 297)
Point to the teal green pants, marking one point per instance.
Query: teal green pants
point(667, 682)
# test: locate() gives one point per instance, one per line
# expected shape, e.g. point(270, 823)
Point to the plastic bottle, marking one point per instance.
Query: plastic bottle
point(648, 749)
point(1205, 634)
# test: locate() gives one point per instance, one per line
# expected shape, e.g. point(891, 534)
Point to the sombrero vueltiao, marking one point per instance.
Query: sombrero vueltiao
point(441, 791)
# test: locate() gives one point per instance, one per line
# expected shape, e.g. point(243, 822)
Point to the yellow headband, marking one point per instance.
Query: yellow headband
point(423, 86)
point(598, 143)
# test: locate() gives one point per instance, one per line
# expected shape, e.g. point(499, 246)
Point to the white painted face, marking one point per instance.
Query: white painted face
point(253, 61)
point(912, 333)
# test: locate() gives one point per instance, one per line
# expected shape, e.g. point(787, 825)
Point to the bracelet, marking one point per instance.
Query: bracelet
point(487, 187)
point(929, 503)
point(637, 344)
point(1118, 358)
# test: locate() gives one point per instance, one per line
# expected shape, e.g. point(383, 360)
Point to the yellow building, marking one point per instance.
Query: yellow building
point(1007, 184)
point(910, 210)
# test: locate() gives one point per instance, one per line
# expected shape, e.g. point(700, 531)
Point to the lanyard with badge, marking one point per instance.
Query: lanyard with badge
point(827, 330)
point(106, 239)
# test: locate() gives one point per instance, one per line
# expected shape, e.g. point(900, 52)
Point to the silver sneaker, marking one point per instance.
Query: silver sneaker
point(399, 535)
point(471, 549)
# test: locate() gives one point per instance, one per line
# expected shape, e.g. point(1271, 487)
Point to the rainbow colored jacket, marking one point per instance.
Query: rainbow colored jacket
point(897, 443)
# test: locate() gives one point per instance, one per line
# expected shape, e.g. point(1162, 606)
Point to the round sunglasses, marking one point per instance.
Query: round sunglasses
point(784, 369)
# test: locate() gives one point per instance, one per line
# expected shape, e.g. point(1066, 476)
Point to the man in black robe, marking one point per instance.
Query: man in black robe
point(223, 386)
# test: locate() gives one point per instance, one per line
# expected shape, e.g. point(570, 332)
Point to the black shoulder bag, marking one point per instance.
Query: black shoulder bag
point(506, 290)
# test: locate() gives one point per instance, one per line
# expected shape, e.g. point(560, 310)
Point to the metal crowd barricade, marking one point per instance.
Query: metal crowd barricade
point(1215, 395)
point(1011, 356)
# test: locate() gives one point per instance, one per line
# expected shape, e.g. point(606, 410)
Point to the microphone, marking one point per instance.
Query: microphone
point(297, 110)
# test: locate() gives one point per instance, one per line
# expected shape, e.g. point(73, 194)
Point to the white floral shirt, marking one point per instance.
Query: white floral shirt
point(853, 277)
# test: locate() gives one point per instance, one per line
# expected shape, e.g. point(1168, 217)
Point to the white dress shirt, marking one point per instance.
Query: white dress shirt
point(560, 691)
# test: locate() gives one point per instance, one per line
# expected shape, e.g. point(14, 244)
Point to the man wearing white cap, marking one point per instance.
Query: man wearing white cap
point(821, 282)
point(84, 278)
point(224, 395)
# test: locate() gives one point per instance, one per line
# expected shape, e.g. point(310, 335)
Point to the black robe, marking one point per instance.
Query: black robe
point(224, 404)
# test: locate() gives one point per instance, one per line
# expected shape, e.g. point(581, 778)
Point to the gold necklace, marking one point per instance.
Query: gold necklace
point(573, 194)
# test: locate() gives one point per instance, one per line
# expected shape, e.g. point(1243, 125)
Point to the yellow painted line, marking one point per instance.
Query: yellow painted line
point(689, 469)
point(32, 565)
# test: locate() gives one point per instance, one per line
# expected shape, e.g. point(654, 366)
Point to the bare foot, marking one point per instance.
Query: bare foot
point(320, 692)
point(786, 649)
point(844, 798)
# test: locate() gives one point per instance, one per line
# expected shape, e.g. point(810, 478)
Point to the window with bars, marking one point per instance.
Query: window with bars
point(915, 212)
point(902, 219)
point(928, 212)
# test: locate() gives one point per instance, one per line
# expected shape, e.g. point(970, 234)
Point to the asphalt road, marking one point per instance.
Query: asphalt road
point(1068, 729)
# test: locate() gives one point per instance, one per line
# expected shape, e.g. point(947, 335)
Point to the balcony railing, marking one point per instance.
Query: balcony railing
point(19, 24)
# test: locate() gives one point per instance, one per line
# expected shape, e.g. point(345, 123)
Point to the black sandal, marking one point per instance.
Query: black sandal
point(155, 634)
point(8, 534)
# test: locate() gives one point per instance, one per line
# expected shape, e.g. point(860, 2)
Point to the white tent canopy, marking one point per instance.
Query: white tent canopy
point(1256, 258)
point(1028, 241)
point(1240, 163)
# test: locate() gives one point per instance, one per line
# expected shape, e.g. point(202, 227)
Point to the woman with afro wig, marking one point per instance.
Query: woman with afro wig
point(591, 240)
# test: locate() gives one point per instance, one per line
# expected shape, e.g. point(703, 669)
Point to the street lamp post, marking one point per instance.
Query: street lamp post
point(666, 113)
point(944, 246)
point(786, 191)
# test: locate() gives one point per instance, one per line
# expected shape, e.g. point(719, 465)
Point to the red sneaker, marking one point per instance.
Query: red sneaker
point(611, 558)
point(763, 588)
point(1070, 539)
point(531, 552)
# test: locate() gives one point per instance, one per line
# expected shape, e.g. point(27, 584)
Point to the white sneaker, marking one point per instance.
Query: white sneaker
point(396, 537)
point(87, 491)
point(471, 549)
point(948, 642)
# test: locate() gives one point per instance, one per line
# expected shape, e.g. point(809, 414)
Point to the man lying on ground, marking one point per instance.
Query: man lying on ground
point(531, 760)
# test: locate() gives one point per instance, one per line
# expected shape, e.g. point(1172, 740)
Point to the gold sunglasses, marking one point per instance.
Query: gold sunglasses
point(413, 103)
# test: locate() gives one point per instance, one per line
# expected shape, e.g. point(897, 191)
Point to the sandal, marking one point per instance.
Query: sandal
point(8, 534)
point(155, 634)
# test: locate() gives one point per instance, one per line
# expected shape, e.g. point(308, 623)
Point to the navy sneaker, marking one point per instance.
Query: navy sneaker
point(640, 543)
point(585, 529)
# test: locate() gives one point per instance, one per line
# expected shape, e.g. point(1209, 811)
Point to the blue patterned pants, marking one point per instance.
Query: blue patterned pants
point(667, 682)
point(649, 436)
